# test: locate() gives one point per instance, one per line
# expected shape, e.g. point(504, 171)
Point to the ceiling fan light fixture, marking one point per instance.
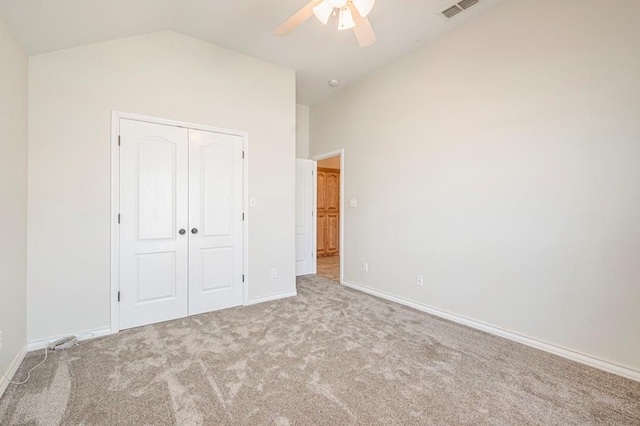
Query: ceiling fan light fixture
point(351, 15)
point(337, 3)
point(364, 7)
point(346, 21)
point(323, 11)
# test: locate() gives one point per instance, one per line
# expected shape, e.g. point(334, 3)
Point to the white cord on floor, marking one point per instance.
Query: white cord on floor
point(46, 354)
point(87, 340)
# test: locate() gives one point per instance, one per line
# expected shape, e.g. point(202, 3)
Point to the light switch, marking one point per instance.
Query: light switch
point(353, 202)
point(252, 202)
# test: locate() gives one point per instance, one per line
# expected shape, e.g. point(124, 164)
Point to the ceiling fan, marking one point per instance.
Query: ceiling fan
point(352, 14)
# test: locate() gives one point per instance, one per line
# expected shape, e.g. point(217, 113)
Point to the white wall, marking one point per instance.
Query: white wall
point(13, 200)
point(72, 93)
point(302, 131)
point(502, 162)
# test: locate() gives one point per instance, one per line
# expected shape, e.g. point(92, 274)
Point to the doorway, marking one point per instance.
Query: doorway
point(180, 231)
point(329, 214)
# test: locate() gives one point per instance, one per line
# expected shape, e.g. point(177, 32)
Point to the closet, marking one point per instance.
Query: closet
point(180, 230)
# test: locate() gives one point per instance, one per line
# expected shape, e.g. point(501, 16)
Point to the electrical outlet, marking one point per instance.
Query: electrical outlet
point(365, 267)
point(420, 281)
point(274, 273)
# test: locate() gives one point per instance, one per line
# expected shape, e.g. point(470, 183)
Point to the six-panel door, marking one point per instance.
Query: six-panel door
point(328, 212)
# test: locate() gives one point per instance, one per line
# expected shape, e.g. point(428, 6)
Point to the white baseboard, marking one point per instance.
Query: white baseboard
point(547, 347)
point(271, 298)
point(4, 383)
point(84, 335)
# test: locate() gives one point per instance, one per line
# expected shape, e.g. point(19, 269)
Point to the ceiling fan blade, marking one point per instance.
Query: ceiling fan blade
point(298, 18)
point(363, 30)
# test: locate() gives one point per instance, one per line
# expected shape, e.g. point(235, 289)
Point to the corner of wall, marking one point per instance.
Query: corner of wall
point(13, 215)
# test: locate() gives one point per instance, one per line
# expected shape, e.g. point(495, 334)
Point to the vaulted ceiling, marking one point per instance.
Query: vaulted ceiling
point(316, 52)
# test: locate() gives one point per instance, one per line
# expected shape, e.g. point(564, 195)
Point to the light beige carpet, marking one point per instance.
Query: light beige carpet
point(331, 356)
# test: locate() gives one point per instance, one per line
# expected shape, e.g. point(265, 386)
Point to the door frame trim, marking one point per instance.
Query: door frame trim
point(115, 201)
point(316, 158)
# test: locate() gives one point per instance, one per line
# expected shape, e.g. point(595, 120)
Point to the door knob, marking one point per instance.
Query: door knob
point(182, 232)
point(194, 231)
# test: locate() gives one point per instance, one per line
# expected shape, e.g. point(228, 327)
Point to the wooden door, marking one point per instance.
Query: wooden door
point(328, 212)
point(321, 227)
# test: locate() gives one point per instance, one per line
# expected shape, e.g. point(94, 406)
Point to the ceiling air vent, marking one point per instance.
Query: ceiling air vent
point(466, 4)
point(458, 8)
point(452, 11)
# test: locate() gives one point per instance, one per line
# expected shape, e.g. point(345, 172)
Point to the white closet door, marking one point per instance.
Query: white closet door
point(305, 220)
point(215, 221)
point(153, 208)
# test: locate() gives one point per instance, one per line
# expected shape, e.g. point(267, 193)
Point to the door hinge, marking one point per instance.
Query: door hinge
point(118, 296)
point(118, 217)
point(242, 277)
point(243, 216)
point(118, 140)
point(243, 155)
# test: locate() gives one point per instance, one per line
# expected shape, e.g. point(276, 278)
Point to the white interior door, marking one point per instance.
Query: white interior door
point(153, 208)
point(305, 219)
point(215, 221)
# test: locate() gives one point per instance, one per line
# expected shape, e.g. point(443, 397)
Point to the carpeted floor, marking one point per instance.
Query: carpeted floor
point(331, 356)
